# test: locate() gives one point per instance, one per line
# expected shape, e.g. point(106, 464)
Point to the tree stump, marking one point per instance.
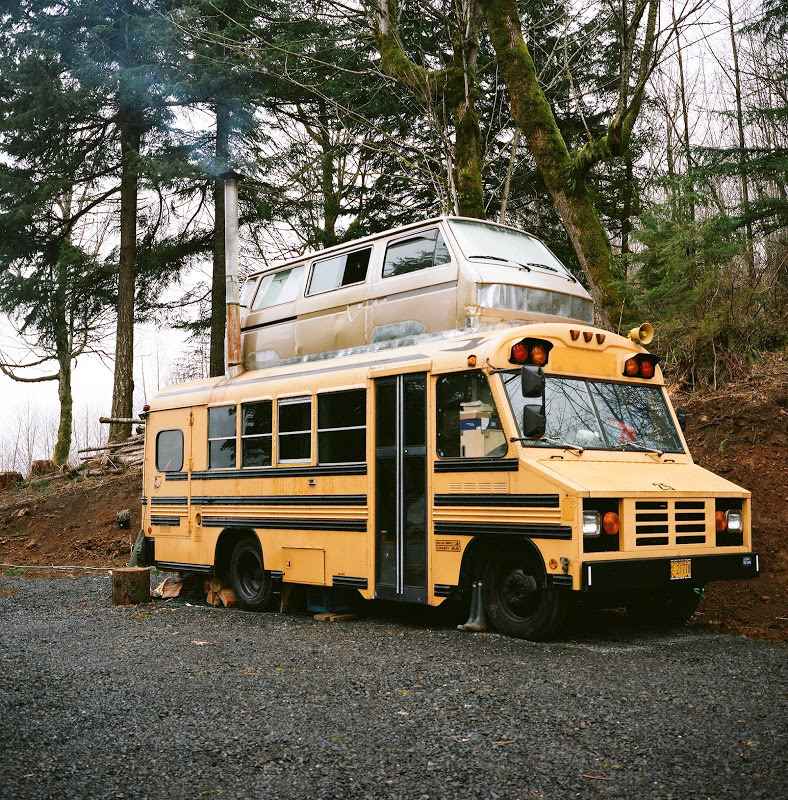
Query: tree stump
point(130, 586)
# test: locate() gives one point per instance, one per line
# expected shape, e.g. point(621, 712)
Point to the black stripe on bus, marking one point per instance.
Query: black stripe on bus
point(344, 580)
point(495, 528)
point(283, 500)
point(498, 500)
point(169, 501)
point(287, 524)
point(477, 465)
point(175, 566)
point(441, 590)
point(175, 521)
point(270, 472)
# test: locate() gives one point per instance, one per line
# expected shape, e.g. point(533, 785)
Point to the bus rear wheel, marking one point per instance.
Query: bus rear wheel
point(251, 583)
point(516, 599)
point(672, 608)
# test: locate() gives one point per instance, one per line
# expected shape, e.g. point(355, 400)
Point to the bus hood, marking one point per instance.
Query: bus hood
point(638, 479)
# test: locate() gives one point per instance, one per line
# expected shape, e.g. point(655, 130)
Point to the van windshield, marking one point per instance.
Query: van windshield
point(505, 245)
point(599, 415)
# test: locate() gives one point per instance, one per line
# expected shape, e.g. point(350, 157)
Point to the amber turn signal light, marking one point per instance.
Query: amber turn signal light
point(611, 524)
point(720, 521)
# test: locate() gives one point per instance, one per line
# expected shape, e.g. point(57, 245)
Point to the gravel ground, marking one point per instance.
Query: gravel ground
point(178, 701)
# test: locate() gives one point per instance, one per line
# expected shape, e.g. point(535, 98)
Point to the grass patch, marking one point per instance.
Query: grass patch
point(15, 571)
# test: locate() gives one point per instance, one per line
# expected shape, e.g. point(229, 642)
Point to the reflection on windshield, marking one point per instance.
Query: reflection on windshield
point(598, 415)
point(482, 240)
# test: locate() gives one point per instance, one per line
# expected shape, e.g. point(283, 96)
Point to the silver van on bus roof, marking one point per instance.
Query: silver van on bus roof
point(444, 274)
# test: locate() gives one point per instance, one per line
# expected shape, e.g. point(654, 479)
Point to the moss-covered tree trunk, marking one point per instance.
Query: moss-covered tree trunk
point(453, 87)
point(534, 117)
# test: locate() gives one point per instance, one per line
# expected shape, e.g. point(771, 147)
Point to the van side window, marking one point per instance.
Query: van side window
point(278, 287)
point(221, 437)
point(426, 249)
point(342, 270)
point(341, 427)
point(468, 425)
point(295, 429)
point(169, 451)
point(256, 434)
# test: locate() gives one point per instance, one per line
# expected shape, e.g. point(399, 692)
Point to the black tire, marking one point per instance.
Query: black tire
point(516, 599)
point(251, 582)
point(671, 608)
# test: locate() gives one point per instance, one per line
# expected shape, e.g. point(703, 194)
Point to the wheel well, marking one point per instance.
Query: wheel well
point(478, 553)
point(225, 545)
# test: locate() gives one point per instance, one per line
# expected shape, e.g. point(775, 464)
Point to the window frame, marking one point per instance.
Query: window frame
point(253, 307)
point(246, 437)
point(292, 401)
point(308, 291)
point(424, 234)
point(496, 413)
point(233, 438)
point(180, 465)
point(319, 430)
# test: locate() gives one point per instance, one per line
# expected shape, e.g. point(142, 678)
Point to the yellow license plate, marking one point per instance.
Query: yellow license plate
point(680, 569)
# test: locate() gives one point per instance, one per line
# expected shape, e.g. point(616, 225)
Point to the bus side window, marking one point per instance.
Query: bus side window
point(468, 425)
point(341, 427)
point(256, 434)
point(295, 429)
point(417, 252)
point(343, 270)
point(221, 437)
point(169, 450)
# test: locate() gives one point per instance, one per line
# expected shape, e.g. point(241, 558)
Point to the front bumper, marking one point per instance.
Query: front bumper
point(639, 573)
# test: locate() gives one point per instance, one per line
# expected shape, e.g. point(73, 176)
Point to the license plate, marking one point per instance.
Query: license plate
point(680, 569)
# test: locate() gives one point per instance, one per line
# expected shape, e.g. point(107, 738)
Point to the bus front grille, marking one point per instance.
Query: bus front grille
point(670, 522)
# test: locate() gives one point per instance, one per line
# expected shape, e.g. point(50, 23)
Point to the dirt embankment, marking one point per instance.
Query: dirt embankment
point(740, 433)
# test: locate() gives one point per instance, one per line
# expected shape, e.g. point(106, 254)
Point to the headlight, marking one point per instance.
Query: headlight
point(734, 520)
point(592, 523)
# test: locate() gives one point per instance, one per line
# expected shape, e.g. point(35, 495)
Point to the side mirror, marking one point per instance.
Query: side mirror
point(532, 384)
point(681, 416)
point(532, 381)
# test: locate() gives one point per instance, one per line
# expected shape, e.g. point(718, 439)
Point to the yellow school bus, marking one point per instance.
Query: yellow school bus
point(536, 464)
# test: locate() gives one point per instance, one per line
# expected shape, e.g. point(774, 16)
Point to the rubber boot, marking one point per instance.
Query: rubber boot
point(479, 621)
point(472, 612)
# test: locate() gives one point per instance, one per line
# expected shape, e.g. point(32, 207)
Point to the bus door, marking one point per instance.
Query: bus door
point(170, 489)
point(401, 487)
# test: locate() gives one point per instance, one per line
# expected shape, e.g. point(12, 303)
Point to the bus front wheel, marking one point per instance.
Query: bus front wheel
point(251, 583)
point(516, 599)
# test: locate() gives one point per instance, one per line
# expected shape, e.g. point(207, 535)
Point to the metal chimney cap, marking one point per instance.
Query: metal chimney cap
point(231, 175)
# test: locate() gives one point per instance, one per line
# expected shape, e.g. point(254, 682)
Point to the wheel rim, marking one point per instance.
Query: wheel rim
point(519, 593)
point(250, 574)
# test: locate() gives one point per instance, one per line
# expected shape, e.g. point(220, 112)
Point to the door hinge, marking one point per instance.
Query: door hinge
point(190, 465)
point(191, 418)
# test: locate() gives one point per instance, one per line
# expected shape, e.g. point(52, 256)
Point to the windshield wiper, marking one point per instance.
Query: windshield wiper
point(638, 448)
point(526, 267)
point(574, 447)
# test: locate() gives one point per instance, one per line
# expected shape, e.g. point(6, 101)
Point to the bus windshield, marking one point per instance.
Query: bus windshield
point(517, 249)
point(599, 415)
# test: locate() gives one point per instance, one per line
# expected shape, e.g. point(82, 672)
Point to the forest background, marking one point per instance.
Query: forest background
point(645, 142)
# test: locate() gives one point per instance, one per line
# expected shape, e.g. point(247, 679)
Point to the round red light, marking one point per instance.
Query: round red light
point(520, 353)
point(539, 354)
point(611, 524)
point(647, 369)
point(720, 521)
point(631, 367)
